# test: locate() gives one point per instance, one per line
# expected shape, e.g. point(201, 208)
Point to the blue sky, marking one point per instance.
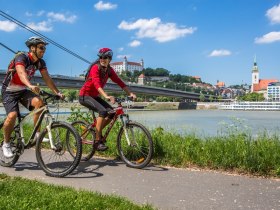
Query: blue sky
point(213, 39)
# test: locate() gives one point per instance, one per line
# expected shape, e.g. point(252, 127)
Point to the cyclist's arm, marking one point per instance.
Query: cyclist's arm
point(49, 82)
point(104, 94)
point(129, 93)
point(24, 78)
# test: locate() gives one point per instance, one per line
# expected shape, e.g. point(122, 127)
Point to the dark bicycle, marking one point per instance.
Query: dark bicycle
point(51, 146)
point(134, 141)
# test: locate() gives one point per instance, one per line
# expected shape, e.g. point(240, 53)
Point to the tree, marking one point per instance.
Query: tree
point(252, 97)
point(202, 97)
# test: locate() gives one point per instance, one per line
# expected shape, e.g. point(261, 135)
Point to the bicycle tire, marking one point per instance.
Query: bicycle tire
point(139, 153)
point(63, 135)
point(4, 161)
point(87, 136)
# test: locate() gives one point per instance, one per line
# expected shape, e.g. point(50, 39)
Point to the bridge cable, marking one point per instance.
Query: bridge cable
point(8, 48)
point(5, 15)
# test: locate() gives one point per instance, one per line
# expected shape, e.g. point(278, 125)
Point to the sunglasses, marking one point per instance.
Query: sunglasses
point(104, 57)
point(42, 48)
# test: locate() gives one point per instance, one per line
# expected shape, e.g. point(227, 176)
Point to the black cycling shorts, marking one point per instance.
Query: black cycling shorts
point(97, 104)
point(11, 100)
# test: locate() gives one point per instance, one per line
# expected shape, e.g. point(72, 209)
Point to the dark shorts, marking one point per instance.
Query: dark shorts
point(11, 100)
point(97, 104)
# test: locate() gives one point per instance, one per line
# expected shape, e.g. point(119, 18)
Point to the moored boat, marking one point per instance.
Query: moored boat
point(250, 105)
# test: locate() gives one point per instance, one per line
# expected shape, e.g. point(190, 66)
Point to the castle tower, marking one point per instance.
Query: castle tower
point(125, 66)
point(142, 62)
point(255, 75)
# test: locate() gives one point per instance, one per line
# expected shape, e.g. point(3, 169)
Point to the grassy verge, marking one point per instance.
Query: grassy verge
point(19, 193)
point(236, 150)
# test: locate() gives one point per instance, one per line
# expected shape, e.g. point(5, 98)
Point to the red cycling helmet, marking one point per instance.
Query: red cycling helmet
point(105, 52)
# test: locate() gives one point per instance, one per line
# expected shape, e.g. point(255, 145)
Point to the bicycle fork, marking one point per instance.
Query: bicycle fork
point(130, 141)
point(48, 127)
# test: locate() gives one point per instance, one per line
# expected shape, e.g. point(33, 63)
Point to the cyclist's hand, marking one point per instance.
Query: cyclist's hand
point(133, 96)
point(62, 97)
point(35, 89)
point(111, 99)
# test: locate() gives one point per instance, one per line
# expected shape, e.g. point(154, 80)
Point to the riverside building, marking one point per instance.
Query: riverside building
point(273, 91)
point(126, 65)
point(260, 85)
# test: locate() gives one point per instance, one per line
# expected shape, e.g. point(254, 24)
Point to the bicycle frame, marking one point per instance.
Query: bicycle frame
point(21, 120)
point(119, 114)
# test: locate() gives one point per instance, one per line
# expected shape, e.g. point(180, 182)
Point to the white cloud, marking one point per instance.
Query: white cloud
point(40, 13)
point(273, 14)
point(268, 38)
point(134, 43)
point(42, 26)
point(218, 53)
point(155, 29)
point(7, 26)
point(105, 6)
point(28, 14)
point(120, 49)
point(61, 17)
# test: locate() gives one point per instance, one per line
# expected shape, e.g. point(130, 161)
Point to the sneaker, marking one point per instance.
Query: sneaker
point(100, 146)
point(7, 150)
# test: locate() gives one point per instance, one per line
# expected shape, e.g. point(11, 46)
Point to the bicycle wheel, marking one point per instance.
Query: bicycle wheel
point(88, 136)
point(136, 146)
point(59, 162)
point(16, 149)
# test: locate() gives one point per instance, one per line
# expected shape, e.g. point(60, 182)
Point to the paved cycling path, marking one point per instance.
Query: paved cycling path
point(164, 188)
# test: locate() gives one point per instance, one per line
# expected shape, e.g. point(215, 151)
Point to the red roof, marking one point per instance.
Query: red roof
point(117, 63)
point(141, 76)
point(263, 83)
point(134, 63)
point(220, 84)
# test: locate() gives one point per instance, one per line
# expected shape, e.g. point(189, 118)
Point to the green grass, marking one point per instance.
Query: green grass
point(235, 152)
point(19, 193)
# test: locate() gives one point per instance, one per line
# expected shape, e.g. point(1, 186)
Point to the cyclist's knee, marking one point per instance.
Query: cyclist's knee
point(37, 102)
point(11, 118)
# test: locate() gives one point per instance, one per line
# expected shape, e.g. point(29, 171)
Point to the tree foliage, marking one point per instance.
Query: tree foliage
point(252, 97)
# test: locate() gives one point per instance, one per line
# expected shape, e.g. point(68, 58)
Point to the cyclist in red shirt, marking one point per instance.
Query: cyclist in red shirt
point(90, 93)
point(17, 87)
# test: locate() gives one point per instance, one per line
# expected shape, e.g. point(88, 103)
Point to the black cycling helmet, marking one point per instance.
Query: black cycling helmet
point(34, 41)
point(105, 52)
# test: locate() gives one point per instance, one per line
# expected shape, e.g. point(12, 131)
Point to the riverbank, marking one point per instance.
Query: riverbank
point(160, 105)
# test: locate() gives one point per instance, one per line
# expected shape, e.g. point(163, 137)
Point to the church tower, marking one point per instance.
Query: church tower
point(255, 75)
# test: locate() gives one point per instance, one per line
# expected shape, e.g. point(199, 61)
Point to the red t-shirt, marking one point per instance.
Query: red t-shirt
point(96, 80)
point(14, 83)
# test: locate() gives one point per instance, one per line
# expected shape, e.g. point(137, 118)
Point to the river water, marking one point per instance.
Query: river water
point(203, 122)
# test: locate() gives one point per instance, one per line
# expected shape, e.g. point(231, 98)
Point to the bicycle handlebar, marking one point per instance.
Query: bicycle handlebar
point(120, 100)
point(47, 95)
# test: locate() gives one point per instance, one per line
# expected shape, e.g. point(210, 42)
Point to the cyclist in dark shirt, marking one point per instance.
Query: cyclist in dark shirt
point(90, 93)
point(17, 87)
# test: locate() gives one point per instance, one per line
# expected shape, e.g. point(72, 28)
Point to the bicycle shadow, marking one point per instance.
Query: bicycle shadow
point(21, 166)
point(95, 164)
point(83, 170)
